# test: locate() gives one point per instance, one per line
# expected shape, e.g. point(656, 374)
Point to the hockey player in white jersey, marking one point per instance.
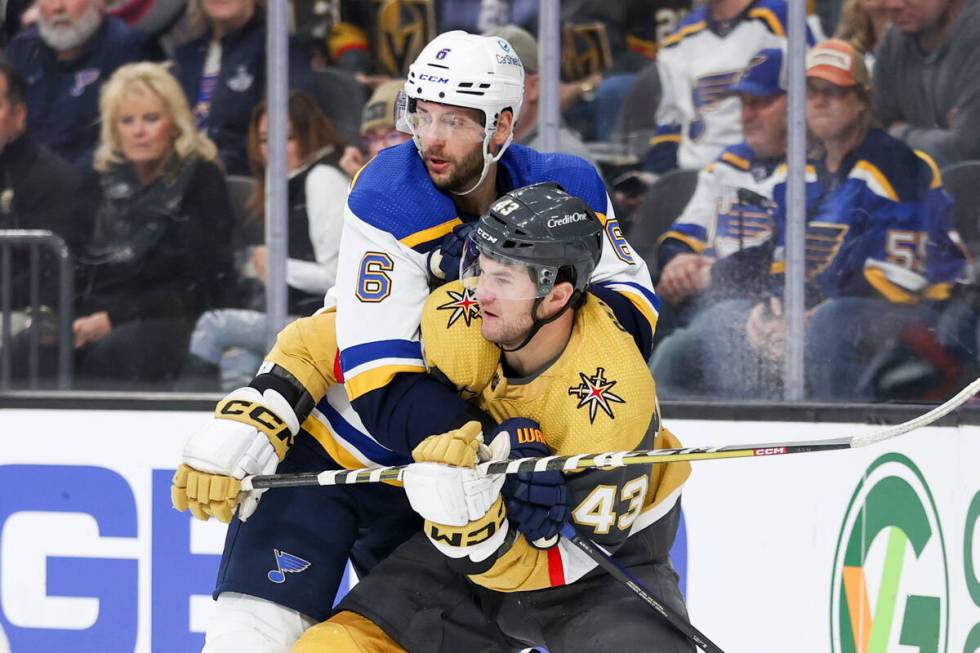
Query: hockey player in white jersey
point(697, 118)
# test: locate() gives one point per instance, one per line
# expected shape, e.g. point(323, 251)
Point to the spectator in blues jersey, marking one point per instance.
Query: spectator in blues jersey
point(66, 58)
point(696, 118)
point(698, 259)
point(880, 247)
point(927, 77)
point(223, 75)
point(157, 255)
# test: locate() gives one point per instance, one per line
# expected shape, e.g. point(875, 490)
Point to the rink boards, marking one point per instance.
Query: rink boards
point(868, 550)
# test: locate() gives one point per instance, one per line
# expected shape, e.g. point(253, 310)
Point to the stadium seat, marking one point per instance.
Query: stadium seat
point(962, 182)
point(663, 203)
point(636, 122)
point(341, 97)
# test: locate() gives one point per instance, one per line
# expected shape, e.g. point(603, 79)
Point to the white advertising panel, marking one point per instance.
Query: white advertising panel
point(865, 551)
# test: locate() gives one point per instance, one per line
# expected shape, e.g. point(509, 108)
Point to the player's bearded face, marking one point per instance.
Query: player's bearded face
point(451, 140)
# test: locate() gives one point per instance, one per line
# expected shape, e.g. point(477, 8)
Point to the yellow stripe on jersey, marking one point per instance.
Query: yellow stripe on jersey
point(875, 180)
point(777, 267)
point(770, 19)
point(692, 242)
point(879, 281)
point(322, 434)
point(684, 32)
point(432, 233)
point(937, 176)
point(376, 378)
point(358, 174)
point(643, 306)
point(665, 138)
point(736, 160)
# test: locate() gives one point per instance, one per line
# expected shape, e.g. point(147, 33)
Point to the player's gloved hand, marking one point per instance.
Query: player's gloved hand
point(463, 510)
point(444, 260)
point(537, 502)
point(249, 434)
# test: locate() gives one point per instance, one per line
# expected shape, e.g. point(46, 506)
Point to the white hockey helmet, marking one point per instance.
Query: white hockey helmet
point(466, 70)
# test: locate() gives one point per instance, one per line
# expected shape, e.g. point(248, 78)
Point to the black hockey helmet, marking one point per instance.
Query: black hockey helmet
point(557, 236)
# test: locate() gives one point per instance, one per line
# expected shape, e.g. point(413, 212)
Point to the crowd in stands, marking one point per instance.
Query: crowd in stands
point(131, 133)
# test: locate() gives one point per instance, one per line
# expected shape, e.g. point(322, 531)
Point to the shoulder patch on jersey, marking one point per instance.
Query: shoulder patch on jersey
point(452, 343)
point(595, 392)
point(462, 305)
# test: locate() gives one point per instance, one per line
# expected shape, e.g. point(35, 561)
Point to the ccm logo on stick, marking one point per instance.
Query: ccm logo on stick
point(769, 451)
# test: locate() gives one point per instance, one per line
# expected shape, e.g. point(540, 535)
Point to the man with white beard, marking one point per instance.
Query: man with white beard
point(65, 58)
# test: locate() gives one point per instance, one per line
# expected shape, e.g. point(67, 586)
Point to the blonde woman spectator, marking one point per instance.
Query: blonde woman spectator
point(157, 254)
point(235, 339)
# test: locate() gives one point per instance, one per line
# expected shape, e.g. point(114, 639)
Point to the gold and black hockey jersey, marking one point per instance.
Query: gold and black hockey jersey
point(597, 396)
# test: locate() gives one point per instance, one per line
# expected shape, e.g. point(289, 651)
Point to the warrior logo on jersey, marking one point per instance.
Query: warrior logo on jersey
point(286, 563)
point(463, 305)
point(595, 392)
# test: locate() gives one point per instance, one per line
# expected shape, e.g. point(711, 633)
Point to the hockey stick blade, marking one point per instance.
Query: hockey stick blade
point(622, 458)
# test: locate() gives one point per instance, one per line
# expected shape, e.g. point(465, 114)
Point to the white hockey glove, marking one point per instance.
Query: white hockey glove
point(463, 509)
point(249, 434)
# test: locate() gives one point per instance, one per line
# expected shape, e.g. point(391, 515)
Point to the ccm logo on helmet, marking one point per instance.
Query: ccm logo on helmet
point(433, 78)
point(568, 219)
point(485, 236)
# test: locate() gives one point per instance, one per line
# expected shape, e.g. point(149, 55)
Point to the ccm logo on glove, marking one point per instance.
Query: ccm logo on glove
point(255, 414)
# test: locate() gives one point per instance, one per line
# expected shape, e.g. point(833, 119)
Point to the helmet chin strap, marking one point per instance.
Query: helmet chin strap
point(537, 323)
point(488, 159)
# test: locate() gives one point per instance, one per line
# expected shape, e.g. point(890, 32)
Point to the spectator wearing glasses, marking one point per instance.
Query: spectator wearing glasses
point(377, 127)
point(233, 340)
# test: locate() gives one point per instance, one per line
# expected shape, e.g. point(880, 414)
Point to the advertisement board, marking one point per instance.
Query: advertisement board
point(860, 551)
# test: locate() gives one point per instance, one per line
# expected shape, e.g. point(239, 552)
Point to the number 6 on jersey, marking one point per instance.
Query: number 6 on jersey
point(373, 285)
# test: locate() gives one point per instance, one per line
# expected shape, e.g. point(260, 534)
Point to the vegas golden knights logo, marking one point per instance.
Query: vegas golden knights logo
point(403, 29)
point(584, 51)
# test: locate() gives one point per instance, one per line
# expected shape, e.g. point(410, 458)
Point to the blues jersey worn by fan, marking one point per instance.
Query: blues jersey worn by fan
point(881, 226)
point(729, 210)
point(697, 116)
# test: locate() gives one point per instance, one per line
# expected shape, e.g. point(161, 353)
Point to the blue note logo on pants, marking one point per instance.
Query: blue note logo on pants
point(286, 563)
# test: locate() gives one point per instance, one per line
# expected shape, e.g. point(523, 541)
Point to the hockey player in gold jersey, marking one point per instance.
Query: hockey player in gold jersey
point(521, 337)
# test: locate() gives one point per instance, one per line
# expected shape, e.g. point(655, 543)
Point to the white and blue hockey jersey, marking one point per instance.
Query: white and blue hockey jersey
point(697, 117)
point(731, 207)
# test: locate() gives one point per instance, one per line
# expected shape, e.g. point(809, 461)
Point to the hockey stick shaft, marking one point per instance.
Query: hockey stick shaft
point(621, 458)
point(617, 571)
